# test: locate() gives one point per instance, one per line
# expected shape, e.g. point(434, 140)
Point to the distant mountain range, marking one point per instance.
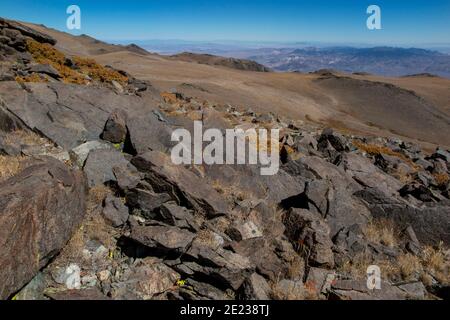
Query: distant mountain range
point(309, 56)
point(387, 61)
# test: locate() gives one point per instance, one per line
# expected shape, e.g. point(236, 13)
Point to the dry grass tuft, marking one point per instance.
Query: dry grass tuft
point(296, 267)
point(231, 193)
point(206, 238)
point(97, 194)
point(171, 98)
point(374, 150)
point(98, 72)
point(409, 266)
point(442, 179)
point(431, 263)
point(9, 166)
point(357, 267)
point(31, 78)
point(435, 262)
point(24, 137)
point(381, 231)
point(46, 54)
point(291, 294)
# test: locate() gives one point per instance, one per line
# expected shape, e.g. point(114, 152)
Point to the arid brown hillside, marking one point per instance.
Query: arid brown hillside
point(94, 207)
point(239, 64)
point(415, 108)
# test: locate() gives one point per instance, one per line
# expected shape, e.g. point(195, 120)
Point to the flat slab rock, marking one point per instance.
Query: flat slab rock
point(357, 290)
point(67, 114)
point(165, 238)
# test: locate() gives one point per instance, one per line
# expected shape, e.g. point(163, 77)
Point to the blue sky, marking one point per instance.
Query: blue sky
point(404, 21)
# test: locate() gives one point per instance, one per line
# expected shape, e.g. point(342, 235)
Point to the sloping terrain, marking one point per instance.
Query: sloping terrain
point(92, 206)
point(239, 64)
point(359, 107)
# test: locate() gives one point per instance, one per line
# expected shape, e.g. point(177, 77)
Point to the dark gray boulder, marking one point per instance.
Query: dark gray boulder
point(40, 208)
point(116, 127)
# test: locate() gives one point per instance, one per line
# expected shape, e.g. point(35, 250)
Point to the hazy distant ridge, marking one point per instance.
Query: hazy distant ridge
point(387, 61)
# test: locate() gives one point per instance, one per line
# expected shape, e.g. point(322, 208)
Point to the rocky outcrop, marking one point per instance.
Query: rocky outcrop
point(156, 230)
point(40, 209)
point(25, 31)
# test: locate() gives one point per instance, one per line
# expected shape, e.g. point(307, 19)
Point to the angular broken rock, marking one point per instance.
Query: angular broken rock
point(146, 201)
point(367, 174)
point(181, 183)
point(289, 290)
point(27, 31)
point(319, 281)
point(357, 290)
point(263, 256)
point(45, 69)
point(337, 141)
point(77, 295)
point(99, 166)
point(145, 280)
point(69, 276)
point(255, 287)
point(40, 208)
point(174, 215)
point(115, 212)
point(311, 231)
point(221, 266)
point(195, 290)
point(148, 133)
point(429, 220)
point(164, 238)
point(80, 153)
point(127, 177)
point(414, 290)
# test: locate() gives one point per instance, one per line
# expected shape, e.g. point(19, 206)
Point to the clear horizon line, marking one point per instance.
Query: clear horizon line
point(291, 42)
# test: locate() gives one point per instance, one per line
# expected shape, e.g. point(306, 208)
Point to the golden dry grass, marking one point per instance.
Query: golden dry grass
point(98, 72)
point(206, 238)
point(31, 78)
point(97, 194)
point(436, 263)
point(169, 97)
point(24, 137)
point(292, 294)
point(374, 149)
point(431, 263)
point(232, 193)
point(9, 166)
point(442, 179)
point(46, 54)
point(381, 231)
point(296, 267)
point(409, 266)
point(357, 267)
